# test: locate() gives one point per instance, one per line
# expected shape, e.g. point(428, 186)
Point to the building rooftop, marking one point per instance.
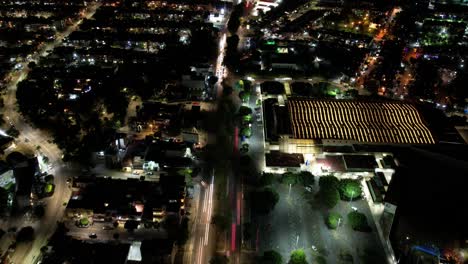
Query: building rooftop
point(359, 121)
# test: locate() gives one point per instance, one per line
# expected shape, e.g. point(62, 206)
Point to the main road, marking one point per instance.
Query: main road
point(201, 243)
point(44, 228)
point(200, 246)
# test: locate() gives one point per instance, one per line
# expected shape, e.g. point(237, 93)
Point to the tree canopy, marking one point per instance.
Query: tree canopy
point(349, 189)
point(264, 200)
point(329, 196)
point(333, 220)
point(298, 257)
point(25, 234)
point(246, 132)
point(270, 257)
point(331, 181)
point(234, 21)
point(306, 178)
point(289, 178)
point(358, 221)
point(244, 110)
point(266, 179)
point(3, 201)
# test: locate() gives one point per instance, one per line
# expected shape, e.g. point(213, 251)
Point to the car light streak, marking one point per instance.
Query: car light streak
point(233, 237)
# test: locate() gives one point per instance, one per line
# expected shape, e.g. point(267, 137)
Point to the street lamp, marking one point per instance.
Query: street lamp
point(352, 194)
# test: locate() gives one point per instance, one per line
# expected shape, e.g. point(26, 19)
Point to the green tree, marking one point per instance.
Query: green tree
point(263, 201)
point(31, 65)
point(358, 221)
point(328, 181)
point(234, 20)
point(187, 173)
point(289, 178)
point(266, 179)
point(320, 260)
point(349, 189)
point(247, 118)
point(233, 24)
point(219, 259)
point(3, 201)
point(244, 96)
point(131, 225)
point(84, 221)
point(329, 196)
point(306, 178)
point(25, 234)
point(244, 110)
point(49, 178)
point(298, 257)
point(49, 188)
point(12, 131)
point(247, 86)
point(332, 220)
point(246, 132)
point(270, 257)
point(232, 57)
point(39, 211)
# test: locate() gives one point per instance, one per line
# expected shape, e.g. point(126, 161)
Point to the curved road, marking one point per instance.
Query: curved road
point(44, 228)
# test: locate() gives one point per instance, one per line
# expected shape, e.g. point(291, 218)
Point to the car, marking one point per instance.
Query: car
point(92, 235)
point(107, 228)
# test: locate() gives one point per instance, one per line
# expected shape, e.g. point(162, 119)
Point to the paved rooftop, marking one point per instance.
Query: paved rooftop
point(361, 121)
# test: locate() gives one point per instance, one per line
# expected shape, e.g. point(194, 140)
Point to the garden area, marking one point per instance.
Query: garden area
point(332, 190)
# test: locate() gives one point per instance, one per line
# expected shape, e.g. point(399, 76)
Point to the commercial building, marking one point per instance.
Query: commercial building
point(308, 125)
point(357, 122)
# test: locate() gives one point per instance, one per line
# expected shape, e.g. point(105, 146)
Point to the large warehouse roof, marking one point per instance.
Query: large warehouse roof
point(361, 121)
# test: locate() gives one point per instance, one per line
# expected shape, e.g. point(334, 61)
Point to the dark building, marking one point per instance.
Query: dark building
point(429, 192)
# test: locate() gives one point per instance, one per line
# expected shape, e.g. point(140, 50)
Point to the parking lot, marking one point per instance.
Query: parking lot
point(298, 221)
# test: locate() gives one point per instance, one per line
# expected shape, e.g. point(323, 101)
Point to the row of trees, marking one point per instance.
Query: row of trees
point(235, 18)
point(356, 220)
point(332, 189)
point(232, 57)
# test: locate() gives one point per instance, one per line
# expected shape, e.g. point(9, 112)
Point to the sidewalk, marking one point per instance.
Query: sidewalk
point(377, 212)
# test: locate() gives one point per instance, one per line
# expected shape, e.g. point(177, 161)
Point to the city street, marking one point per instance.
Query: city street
point(200, 244)
point(44, 228)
